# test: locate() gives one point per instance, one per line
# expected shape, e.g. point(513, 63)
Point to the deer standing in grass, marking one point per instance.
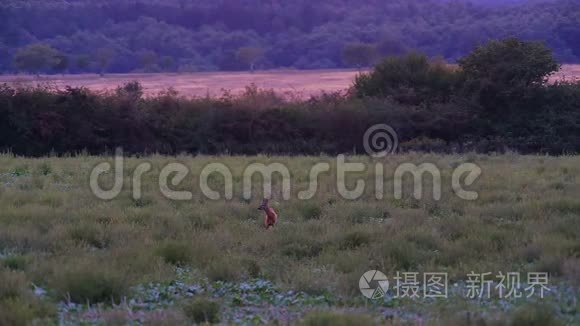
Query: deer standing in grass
point(271, 216)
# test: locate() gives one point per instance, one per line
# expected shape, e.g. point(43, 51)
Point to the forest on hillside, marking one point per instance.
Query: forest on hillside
point(58, 36)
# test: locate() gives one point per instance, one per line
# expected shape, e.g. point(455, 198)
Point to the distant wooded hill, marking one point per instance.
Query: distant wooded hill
point(178, 35)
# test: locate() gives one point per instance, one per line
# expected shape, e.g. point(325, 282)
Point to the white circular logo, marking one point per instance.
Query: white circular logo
point(380, 140)
point(373, 284)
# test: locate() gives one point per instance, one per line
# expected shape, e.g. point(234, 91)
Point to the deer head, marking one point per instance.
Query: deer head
point(264, 205)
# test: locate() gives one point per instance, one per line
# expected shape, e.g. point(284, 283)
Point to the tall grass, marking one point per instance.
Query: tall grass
point(56, 234)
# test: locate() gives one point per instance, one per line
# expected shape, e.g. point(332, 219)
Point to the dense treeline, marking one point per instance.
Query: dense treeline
point(179, 35)
point(497, 99)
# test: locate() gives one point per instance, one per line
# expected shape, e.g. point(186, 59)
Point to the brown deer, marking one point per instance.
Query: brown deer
point(271, 217)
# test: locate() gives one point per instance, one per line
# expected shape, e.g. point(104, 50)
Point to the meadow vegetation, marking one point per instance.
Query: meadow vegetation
point(68, 257)
point(62, 249)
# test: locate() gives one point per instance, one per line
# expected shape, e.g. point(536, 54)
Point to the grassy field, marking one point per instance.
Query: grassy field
point(67, 257)
point(301, 83)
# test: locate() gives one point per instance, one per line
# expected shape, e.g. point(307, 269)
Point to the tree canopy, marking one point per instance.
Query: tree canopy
point(178, 35)
point(35, 58)
point(510, 63)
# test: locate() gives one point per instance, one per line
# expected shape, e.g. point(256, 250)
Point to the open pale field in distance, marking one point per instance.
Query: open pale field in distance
point(301, 83)
point(154, 260)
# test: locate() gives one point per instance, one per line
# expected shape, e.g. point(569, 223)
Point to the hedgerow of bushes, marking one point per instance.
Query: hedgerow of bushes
point(497, 99)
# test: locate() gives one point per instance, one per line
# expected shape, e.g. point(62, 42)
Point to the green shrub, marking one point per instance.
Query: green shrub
point(202, 310)
point(508, 67)
point(203, 222)
point(409, 79)
point(224, 269)
point(349, 261)
point(142, 202)
point(14, 262)
point(18, 306)
point(174, 253)
point(336, 319)
point(12, 285)
point(565, 206)
point(93, 286)
point(301, 250)
point(44, 169)
point(18, 311)
point(354, 239)
point(86, 234)
point(132, 91)
point(252, 267)
point(424, 239)
point(401, 255)
point(310, 211)
point(20, 170)
point(531, 253)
